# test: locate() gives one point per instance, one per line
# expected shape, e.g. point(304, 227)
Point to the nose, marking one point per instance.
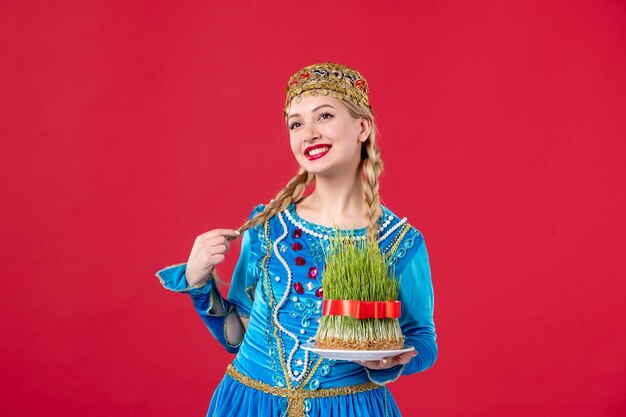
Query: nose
point(310, 133)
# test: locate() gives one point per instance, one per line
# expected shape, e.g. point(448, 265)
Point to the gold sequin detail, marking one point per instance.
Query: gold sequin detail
point(295, 397)
point(328, 78)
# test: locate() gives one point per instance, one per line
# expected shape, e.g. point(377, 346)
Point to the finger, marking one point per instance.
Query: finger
point(216, 241)
point(367, 363)
point(219, 249)
point(219, 244)
point(219, 232)
point(233, 237)
point(217, 259)
point(405, 357)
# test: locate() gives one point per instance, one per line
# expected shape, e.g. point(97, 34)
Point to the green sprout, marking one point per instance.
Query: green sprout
point(358, 271)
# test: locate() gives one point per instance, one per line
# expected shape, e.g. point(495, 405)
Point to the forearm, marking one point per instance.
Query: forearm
point(427, 352)
point(220, 317)
point(218, 314)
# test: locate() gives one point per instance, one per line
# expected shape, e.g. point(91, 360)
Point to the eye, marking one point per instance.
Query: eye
point(323, 116)
point(293, 125)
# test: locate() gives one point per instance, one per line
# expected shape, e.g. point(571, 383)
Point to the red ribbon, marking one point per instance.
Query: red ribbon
point(362, 309)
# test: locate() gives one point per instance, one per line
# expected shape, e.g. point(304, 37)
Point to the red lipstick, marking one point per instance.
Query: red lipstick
point(319, 155)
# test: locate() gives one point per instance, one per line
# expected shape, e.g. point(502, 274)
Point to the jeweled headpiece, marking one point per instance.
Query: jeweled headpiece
point(329, 78)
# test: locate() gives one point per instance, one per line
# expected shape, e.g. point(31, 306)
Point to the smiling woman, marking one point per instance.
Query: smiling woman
point(321, 127)
point(274, 304)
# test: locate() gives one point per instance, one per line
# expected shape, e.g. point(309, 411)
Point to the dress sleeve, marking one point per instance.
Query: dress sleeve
point(416, 319)
point(213, 309)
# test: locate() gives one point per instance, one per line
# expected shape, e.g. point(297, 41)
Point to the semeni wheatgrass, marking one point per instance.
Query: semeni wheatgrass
point(357, 270)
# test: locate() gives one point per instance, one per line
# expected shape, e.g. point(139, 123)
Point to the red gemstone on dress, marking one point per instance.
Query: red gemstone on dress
point(312, 272)
point(296, 246)
point(297, 233)
point(320, 292)
point(300, 261)
point(298, 288)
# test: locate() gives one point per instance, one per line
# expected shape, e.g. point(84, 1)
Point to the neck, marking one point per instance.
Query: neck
point(339, 198)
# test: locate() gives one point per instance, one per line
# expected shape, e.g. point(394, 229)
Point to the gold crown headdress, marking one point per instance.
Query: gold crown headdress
point(331, 78)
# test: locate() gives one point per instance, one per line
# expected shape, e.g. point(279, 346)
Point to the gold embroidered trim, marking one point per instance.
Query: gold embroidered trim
point(311, 371)
point(382, 384)
point(329, 78)
point(213, 294)
point(295, 396)
point(398, 239)
point(184, 290)
point(250, 289)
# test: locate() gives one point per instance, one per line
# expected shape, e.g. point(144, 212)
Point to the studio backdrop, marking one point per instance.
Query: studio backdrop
point(127, 128)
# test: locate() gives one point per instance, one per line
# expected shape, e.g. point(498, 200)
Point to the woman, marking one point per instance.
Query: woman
point(274, 303)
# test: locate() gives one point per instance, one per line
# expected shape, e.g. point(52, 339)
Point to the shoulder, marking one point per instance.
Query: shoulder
point(273, 220)
point(391, 220)
point(254, 230)
point(401, 239)
point(256, 210)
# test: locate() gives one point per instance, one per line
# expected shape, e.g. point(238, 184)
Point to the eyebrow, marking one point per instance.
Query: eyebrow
point(314, 110)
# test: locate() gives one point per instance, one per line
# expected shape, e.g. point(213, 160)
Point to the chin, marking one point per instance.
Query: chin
point(308, 168)
point(320, 171)
point(312, 166)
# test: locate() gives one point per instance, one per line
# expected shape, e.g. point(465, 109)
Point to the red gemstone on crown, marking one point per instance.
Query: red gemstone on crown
point(299, 288)
point(320, 292)
point(312, 272)
point(296, 246)
point(297, 233)
point(300, 261)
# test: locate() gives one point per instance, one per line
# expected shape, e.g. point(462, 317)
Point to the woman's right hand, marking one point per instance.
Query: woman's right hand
point(208, 250)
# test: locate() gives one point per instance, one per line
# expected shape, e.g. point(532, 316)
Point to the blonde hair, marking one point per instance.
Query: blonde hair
point(371, 168)
point(371, 165)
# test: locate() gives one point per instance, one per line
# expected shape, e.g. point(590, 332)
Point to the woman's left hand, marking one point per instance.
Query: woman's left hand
point(390, 362)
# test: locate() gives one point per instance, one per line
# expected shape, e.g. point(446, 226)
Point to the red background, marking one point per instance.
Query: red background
point(130, 127)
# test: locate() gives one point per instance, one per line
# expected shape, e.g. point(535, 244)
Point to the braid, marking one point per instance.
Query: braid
point(292, 192)
point(372, 167)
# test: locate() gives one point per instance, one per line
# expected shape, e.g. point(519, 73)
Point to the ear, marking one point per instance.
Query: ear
point(365, 126)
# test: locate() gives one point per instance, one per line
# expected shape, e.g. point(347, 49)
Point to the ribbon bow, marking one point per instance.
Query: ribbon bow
point(362, 309)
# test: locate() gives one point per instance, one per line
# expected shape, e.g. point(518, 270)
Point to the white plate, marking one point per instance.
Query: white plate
point(355, 355)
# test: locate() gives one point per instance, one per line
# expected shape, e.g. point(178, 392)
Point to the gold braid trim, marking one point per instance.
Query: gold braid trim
point(311, 371)
point(273, 301)
point(399, 238)
point(296, 397)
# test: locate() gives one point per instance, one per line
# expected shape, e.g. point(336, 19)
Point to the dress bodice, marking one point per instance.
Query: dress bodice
point(277, 284)
point(283, 284)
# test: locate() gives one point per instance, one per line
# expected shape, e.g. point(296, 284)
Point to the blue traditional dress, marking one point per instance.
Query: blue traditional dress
point(277, 284)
